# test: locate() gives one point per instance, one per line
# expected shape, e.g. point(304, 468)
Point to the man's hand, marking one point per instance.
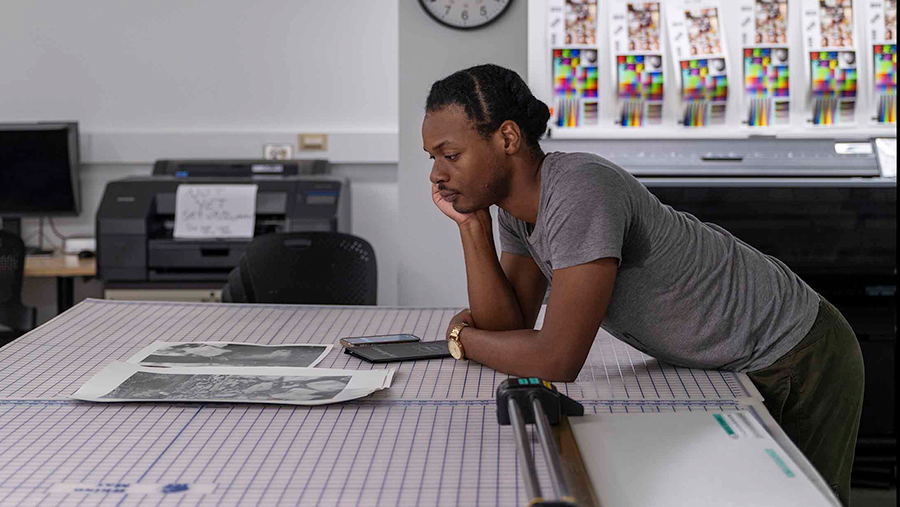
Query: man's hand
point(447, 207)
point(463, 316)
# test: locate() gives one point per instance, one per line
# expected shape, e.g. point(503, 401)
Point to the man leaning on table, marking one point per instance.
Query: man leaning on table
point(683, 291)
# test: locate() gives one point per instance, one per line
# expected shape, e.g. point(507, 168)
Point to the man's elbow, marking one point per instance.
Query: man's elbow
point(563, 368)
point(570, 374)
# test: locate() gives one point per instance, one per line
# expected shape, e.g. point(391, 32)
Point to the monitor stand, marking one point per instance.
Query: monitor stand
point(14, 226)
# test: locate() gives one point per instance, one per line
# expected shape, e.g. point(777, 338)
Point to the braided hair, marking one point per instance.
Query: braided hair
point(490, 95)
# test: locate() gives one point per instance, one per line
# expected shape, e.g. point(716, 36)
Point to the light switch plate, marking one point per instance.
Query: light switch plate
point(311, 142)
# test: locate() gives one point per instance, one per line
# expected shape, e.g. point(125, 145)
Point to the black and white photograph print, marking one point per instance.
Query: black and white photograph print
point(119, 381)
point(231, 354)
point(262, 388)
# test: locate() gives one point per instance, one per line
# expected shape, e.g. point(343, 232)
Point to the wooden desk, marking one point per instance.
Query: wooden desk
point(64, 268)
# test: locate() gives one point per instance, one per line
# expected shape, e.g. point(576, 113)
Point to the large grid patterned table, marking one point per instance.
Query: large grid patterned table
point(431, 439)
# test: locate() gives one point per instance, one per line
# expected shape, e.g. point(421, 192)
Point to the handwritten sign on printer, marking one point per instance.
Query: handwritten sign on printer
point(215, 211)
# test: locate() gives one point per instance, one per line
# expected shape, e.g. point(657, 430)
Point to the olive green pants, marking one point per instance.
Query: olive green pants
point(815, 392)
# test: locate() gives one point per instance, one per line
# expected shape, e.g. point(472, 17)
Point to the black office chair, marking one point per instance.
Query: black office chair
point(13, 314)
point(324, 268)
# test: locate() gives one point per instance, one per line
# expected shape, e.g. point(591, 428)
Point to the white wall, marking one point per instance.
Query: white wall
point(211, 79)
point(432, 269)
point(201, 64)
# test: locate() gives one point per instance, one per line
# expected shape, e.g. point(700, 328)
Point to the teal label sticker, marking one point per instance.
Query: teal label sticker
point(781, 464)
point(523, 381)
point(535, 381)
point(724, 424)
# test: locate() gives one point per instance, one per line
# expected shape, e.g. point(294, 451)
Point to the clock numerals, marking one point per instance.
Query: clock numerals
point(466, 15)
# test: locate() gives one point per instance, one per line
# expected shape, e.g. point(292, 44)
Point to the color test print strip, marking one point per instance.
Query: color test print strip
point(704, 91)
point(830, 44)
point(834, 87)
point(885, 58)
point(576, 87)
point(881, 26)
point(699, 47)
point(764, 32)
point(640, 88)
point(635, 36)
point(766, 86)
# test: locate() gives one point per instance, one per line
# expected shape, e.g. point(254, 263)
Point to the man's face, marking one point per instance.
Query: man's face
point(467, 168)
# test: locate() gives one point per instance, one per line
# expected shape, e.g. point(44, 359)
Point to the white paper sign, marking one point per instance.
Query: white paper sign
point(215, 211)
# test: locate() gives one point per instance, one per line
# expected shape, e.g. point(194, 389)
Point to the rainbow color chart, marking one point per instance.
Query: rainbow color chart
point(705, 92)
point(834, 86)
point(766, 86)
point(885, 58)
point(576, 88)
point(636, 81)
point(640, 83)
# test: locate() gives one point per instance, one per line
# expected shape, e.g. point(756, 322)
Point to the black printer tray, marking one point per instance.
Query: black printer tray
point(178, 254)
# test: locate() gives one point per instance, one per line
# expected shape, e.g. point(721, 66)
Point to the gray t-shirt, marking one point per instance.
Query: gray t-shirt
point(686, 292)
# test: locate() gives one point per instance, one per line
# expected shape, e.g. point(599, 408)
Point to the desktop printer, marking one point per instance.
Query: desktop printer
point(136, 218)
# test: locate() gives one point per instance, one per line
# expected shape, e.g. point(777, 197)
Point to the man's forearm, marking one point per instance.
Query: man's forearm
point(492, 299)
point(522, 353)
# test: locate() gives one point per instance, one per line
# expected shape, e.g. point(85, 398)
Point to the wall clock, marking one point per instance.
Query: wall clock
point(465, 14)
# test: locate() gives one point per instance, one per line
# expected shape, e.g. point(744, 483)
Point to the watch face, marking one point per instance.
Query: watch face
point(465, 14)
point(453, 347)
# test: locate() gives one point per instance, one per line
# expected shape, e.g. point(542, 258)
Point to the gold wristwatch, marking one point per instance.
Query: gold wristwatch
point(453, 344)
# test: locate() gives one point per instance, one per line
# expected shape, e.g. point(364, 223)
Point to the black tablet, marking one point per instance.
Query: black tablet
point(401, 351)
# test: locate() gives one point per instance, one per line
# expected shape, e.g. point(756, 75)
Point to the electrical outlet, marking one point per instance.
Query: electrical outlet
point(312, 142)
point(272, 151)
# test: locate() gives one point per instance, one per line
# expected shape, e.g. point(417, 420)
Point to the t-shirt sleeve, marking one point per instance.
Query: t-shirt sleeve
point(588, 212)
point(510, 241)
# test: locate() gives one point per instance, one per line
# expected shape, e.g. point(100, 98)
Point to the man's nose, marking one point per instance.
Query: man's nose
point(437, 176)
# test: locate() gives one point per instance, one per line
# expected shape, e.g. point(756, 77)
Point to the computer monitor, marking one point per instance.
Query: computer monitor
point(38, 171)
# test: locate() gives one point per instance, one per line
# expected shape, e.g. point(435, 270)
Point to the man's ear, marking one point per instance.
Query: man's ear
point(512, 137)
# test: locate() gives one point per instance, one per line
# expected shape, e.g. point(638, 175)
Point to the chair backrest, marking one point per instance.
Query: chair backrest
point(325, 268)
point(12, 268)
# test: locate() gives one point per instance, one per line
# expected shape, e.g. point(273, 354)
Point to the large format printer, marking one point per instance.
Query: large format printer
point(135, 222)
point(825, 207)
